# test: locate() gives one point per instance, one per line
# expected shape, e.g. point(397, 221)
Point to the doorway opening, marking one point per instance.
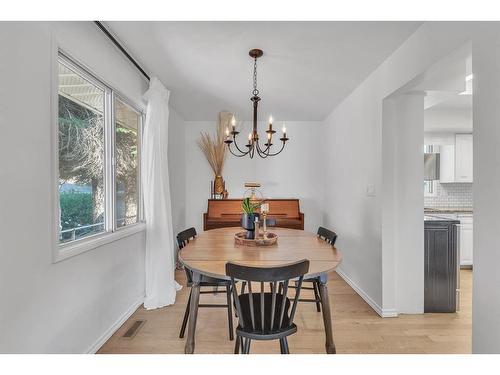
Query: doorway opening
point(421, 121)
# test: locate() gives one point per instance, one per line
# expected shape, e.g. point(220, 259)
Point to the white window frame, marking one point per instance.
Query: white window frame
point(111, 232)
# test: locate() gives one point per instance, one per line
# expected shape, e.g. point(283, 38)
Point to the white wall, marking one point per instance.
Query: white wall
point(355, 157)
point(448, 120)
point(403, 203)
point(298, 172)
point(70, 306)
point(486, 283)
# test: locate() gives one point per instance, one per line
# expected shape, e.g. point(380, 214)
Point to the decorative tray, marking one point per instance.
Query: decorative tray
point(269, 239)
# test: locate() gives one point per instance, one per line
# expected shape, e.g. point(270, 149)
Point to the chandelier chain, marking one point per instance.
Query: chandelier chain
point(255, 91)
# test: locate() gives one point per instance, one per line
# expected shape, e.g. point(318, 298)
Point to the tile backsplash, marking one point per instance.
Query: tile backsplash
point(457, 195)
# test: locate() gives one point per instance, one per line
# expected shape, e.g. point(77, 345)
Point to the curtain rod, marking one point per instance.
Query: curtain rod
point(121, 48)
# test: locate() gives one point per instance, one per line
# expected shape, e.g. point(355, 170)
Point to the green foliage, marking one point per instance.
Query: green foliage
point(248, 207)
point(81, 161)
point(76, 209)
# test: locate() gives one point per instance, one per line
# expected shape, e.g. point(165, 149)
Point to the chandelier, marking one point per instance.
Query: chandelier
point(253, 144)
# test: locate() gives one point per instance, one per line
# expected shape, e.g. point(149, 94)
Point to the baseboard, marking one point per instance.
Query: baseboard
point(114, 327)
point(384, 313)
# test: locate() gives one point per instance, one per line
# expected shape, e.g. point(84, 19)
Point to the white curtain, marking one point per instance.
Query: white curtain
point(161, 286)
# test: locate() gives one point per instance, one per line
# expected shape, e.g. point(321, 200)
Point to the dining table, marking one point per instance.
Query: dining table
point(208, 253)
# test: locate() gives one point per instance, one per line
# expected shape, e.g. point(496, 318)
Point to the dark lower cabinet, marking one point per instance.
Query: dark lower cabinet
point(441, 267)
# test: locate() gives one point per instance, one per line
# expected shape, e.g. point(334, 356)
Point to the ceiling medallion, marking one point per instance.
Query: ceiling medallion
point(253, 145)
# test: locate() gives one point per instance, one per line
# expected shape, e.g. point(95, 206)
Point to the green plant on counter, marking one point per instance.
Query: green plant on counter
point(248, 207)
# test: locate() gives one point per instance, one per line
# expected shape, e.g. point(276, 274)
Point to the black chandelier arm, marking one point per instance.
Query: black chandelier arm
point(276, 153)
point(240, 155)
point(236, 145)
point(265, 151)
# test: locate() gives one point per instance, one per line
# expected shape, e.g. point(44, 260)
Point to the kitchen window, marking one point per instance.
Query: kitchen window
point(98, 156)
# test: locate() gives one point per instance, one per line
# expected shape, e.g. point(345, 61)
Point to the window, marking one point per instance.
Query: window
point(126, 156)
point(98, 156)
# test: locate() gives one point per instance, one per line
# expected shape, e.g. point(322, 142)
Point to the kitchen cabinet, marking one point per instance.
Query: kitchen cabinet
point(456, 160)
point(463, 157)
point(447, 163)
point(466, 239)
point(441, 278)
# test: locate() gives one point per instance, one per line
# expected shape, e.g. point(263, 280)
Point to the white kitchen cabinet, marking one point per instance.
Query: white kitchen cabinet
point(466, 236)
point(455, 161)
point(463, 157)
point(447, 163)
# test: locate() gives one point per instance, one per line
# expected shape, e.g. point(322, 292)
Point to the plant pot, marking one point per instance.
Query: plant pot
point(247, 222)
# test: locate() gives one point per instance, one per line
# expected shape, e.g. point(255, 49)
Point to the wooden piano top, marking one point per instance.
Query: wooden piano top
point(229, 208)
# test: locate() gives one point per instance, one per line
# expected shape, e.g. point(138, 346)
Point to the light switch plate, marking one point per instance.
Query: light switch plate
point(370, 190)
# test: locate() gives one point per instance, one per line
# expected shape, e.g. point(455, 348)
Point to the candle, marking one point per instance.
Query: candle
point(233, 123)
point(249, 137)
point(270, 122)
point(227, 132)
point(284, 131)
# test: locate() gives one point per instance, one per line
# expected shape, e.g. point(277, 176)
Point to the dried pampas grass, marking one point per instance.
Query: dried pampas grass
point(214, 148)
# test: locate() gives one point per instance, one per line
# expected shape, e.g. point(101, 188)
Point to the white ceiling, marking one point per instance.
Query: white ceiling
point(307, 69)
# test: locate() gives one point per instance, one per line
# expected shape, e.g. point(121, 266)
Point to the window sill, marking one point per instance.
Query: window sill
point(66, 251)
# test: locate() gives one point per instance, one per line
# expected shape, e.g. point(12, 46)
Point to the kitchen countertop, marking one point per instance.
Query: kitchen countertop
point(439, 218)
point(448, 210)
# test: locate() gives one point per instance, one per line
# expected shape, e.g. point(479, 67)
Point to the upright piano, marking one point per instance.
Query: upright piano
point(223, 213)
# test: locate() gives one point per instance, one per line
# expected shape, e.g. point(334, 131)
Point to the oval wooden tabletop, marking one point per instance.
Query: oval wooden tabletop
point(209, 252)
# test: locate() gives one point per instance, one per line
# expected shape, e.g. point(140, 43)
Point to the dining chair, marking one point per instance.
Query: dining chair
point(265, 315)
point(183, 239)
point(329, 237)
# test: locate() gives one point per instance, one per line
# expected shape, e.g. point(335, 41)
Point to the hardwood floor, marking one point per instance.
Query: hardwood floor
point(356, 327)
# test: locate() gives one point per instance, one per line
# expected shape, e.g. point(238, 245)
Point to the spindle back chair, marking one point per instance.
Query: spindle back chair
point(330, 237)
point(266, 315)
point(183, 239)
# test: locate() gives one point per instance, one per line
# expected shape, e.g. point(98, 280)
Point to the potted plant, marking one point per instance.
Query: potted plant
point(215, 150)
point(248, 217)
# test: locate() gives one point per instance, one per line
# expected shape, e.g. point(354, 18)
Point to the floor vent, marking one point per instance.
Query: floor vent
point(134, 328)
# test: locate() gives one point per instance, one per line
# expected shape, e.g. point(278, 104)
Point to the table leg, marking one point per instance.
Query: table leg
point(193, 314)
point(327, 317)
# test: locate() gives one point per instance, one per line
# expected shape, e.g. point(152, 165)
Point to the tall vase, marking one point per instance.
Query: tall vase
point(218, 185)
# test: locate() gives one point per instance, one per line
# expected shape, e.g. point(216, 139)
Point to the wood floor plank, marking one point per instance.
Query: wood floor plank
point(356, 327)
